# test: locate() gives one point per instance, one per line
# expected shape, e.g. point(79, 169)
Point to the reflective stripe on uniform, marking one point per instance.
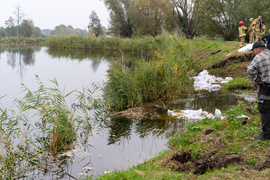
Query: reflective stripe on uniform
point(242, 31)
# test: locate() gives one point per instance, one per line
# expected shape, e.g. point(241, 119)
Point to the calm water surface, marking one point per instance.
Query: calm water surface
point(122, 143)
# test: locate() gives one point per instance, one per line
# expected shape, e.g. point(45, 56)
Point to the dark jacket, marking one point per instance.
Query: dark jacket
point(267, 38)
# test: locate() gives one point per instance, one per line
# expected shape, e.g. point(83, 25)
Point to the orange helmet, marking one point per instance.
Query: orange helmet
point(241, 22)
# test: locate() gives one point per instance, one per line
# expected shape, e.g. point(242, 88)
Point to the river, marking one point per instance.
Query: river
point(121, 143)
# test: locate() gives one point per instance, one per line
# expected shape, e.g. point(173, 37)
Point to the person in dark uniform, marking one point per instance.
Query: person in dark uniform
point(266, 39)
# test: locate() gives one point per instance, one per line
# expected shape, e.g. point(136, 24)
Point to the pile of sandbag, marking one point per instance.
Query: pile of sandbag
point(193, 114)
point(204, 81)
point(245, 48)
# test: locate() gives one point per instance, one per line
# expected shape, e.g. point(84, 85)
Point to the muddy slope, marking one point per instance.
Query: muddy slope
point(235, 59)
point(234, 65)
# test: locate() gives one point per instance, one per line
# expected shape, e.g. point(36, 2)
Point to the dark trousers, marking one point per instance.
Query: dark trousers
point(264, 109)
point(268, 46)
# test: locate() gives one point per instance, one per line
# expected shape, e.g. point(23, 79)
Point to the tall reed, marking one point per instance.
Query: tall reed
point(25, 146)
point(14, 145)
point(147, 43)
point(22, 41)
point(167, 77)
point(56, 117)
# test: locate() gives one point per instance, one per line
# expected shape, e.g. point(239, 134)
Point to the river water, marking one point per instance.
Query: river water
point(121, 143)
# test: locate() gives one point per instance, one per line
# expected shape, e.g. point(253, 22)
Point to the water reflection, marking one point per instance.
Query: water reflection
point(121, 129)
point(97, 56)
point(20, 56)
point(208, 101)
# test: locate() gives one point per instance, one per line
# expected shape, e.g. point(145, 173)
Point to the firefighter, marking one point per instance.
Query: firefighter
point(242, 33)
point(266, 39)
point(257, 26)
point(263, 30)
point(251, 31)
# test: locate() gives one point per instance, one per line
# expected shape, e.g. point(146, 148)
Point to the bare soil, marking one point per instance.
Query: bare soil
point(233, 66)
point(183, 161)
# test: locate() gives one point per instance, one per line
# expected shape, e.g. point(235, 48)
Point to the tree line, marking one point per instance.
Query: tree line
point(188, 17)
point(18, 26)
point(213, 18)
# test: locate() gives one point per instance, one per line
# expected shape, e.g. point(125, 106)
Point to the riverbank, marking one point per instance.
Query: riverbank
point(218, 148)
point(210, 149)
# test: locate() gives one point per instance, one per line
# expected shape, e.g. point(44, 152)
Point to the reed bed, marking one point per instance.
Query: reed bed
point(147, 43)
point(22, 41)
point(166, 77)
point(43, 127)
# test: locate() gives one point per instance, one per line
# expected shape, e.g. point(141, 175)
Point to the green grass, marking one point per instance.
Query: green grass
point(238, 83)
point(204, 48)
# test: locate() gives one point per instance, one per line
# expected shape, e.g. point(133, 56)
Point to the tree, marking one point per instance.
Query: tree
point(68, 31)
point(19, 16)
point(37, 32)
point(120, 22)
point(10, 27)
point(94, 24)
point(2, 32)
point(179, 13)
point(27, 28)
point(146, 17)
point(94, 20)
point(221, 18)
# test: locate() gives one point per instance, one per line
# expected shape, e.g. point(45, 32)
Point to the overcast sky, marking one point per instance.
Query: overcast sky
point(49, 13)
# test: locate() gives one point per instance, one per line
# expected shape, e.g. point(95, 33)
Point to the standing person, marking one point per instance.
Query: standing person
point(257, 26)
point(242, 33)
point(266, 39)
point(259, 71)
point(263, 30)
point(251, 31)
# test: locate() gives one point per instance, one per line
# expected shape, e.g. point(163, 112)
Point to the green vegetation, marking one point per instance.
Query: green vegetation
point(239, 83)
point(52, 109)
point(15, 41)
point(212, 18)
point(211, 141)
point(63, 30)
point(44, 125)
point(147, 43)
point(167, 77)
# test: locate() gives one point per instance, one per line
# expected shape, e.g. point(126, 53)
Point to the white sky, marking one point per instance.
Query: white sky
point(47, 14)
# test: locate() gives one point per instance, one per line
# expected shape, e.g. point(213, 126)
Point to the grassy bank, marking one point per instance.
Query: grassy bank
point(15, 41)
point(210, 149)
point(215, 148)
point(144, 44)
